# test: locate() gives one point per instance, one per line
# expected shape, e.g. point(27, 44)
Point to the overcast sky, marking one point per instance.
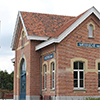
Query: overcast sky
point(9, 10)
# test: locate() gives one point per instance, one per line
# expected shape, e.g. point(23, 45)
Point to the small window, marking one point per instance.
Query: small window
point(23, 66)
point(45, 76)
point(78, 75)
point(23, 38)
point(53, 75)
point(90, 30)
point(99, 75)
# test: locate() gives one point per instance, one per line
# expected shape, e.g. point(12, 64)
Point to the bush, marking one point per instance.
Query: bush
point(92, 98)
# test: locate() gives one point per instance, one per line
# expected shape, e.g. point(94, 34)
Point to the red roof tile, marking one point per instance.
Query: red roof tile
point(44, 24)
point(67, 25)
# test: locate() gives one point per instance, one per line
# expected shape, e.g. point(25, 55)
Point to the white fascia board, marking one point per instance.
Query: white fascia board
point(28, 37)
point(70, 29)
point(23, 23)
point(46, 43)
point(96, 12)
point(78, 22)
point(14, 34)
point(13, 60)
point(40, 38)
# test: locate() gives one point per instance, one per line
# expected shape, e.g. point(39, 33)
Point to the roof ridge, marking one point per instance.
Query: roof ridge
point(46, 14)
point(70, 22)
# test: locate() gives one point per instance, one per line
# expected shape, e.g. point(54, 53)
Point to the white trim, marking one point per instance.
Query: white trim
point(98, 77)
point(14, 34)
point(13, 60)
point(37, 37)
point(45, 75)
point(23, 23)
point(70, 29)
point(34, 37)
point(78, 72)
point(53, 72)
point(46, 43)
point(43, 38)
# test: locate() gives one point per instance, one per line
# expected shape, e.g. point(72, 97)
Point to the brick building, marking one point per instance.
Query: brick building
point(57, 57)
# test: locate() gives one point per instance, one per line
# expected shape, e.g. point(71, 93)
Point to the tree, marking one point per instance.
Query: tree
point(6, 80)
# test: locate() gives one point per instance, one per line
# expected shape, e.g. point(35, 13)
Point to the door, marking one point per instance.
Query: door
point(23, 82)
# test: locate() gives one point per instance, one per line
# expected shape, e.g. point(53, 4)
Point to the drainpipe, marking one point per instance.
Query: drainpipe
point(55, 68)
point(40, 73)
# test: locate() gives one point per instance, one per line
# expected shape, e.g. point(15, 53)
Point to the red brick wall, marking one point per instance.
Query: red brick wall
point(34, 69)
point(33, 66)
point(46, 51)
point(67, 50)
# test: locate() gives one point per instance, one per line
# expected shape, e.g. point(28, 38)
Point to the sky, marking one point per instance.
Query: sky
point(8, 14)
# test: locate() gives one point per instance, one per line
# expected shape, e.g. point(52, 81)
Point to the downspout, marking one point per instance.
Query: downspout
point(55, 68)
point(40, 73)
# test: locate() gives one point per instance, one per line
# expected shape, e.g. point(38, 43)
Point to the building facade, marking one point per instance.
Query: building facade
point(57, 57)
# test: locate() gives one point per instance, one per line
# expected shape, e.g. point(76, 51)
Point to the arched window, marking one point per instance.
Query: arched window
point(23, 66)
point(99, 75)
point(90, 30)
point(53, 75)
point(23, 40)
point(78, 75)
point(45, 76)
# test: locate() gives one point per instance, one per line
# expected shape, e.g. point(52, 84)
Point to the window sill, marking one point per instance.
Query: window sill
point(91, 37)
point(44, 89)
point(52, 89)
point(79, 89)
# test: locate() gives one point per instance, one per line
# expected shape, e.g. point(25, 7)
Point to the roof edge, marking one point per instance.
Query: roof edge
point(13, 44)
point(14, 33)
point(70, 29)
point(35, 37)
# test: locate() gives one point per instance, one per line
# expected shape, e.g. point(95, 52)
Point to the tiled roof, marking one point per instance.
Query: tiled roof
point(45, 24)
point(67, 24)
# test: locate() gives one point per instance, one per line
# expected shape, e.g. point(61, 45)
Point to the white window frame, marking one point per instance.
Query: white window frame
point(79, 70)
point(98, 77)
point(90, 30)
point(53, 73)
point(45, 75)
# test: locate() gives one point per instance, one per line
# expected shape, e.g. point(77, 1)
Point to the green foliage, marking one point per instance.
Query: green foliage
point(92, 98)
point(89, 99)
point(6, 80)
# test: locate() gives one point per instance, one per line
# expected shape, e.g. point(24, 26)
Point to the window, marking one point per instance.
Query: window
point(23, 38)
point(99, 75)
point(78, 75)
point(53, 75)
point(90, 30)
point(23, 66)
point(45, 76)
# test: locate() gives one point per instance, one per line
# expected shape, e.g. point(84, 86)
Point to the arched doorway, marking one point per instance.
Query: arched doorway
point(23, 80)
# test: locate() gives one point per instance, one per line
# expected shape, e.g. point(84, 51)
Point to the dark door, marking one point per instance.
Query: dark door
point(23, 80)
point(23, 86)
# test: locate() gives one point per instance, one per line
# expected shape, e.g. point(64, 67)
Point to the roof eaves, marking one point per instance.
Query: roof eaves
point(69, 29)
point(46, 43)
point(35, 37)
point(23, 23)
point(19, 16)
point(14, 34)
